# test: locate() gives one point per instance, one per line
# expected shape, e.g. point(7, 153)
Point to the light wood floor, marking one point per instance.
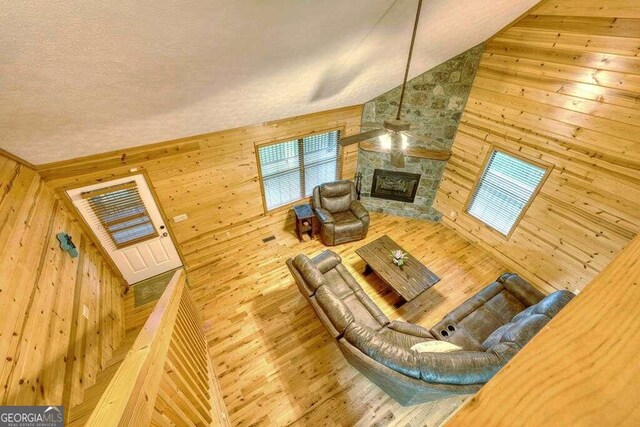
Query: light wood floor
point(276, 364)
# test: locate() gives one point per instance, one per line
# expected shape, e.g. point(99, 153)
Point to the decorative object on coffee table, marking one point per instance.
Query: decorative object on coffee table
point(409, 281)
point(305, 219)
point(398, 257)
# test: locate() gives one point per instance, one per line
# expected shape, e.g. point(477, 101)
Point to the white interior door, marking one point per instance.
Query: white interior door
point(137, 241)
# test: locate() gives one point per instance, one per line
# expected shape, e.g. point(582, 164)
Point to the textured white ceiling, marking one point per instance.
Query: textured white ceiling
point(80, 77)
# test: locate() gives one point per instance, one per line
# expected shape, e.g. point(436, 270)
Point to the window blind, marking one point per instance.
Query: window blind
point(122, 213)
point(505, 188)
point(291, 169)
point(320, 160)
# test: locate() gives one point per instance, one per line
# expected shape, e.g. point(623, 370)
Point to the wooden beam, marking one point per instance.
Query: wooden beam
point(12, 156)
point(419, 152)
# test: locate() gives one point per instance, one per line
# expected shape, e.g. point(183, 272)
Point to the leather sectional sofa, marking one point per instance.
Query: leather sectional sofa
point(490, 327)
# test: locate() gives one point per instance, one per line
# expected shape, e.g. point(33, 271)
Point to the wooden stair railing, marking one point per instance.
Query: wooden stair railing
point(167, 377)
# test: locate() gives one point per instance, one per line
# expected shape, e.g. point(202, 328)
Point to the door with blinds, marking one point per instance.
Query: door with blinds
point(126, 220)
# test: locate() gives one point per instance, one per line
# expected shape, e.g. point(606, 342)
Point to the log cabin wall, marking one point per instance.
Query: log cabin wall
point(562, 85)
point(50, 352)
point(212, 178)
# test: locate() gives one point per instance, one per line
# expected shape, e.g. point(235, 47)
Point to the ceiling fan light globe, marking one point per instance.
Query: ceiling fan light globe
point(385, 141)
point(405, 141)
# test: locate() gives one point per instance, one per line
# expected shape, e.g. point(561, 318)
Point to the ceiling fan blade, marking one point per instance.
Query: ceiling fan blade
point(373, 125)
point(397, 158)
point(354, 139)
point(413, 145)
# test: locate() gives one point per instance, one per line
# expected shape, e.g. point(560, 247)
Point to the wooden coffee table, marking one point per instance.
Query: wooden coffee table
point(409, 281)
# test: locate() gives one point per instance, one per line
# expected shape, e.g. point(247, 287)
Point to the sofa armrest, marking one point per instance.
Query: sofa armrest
point(358, 210)
point(410, 329)
point(458, 367)
point(521, 289)
point(324, 216)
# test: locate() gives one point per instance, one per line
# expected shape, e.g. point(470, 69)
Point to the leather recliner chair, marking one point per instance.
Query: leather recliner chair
point(342, 217)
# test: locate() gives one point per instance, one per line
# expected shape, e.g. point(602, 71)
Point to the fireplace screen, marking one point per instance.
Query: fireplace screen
point(393, 185)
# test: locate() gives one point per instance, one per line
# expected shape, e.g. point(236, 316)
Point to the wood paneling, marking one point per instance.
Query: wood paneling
point(212, 178)
point(275, 361)
point(581, 369)
point(50, 353)
point(563, 86)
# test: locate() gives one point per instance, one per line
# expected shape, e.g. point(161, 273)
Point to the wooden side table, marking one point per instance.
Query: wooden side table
point(305, 221)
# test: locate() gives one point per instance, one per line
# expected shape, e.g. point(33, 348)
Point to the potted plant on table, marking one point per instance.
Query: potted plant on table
point(398, 257)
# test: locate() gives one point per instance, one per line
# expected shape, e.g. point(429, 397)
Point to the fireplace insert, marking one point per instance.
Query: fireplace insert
point(394, 185)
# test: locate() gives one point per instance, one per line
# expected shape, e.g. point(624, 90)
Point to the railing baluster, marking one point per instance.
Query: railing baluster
point(167, 377)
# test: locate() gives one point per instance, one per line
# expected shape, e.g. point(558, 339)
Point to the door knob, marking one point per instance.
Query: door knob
point(165, 234)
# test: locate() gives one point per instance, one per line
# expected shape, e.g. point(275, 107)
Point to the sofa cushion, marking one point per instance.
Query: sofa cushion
point(348, 278)
point(309, 272)
point(334, 196)
point(365, 311)
point(346, 223)
point(435, 346)
point(481, 323)
point(382, 350)
point(346, 217)
point(504, 351)
point(410, 329)
point(525, 329)
point(336, 204)
point(334, 280)
point(403, 340)
point(504, 306)
point(549, 305)
point(472, 304)
point(519, 332)
point(336, 311)
point(496, 336)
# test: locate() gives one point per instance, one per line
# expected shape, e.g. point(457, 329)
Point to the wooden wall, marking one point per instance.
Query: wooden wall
point(562, 86)
point(212, 178)
point(50, 353)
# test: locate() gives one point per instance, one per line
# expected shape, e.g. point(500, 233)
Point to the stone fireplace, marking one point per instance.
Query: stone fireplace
point(394, 185)
point(385, 195)
point(434, 103)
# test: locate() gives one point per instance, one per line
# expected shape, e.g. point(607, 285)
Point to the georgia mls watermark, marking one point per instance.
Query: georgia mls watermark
point(31, 416)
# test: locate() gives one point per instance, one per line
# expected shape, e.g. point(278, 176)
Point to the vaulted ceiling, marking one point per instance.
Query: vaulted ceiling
point(87, 76)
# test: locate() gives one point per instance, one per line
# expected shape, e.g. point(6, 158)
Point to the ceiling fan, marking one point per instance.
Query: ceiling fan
point(392, 133)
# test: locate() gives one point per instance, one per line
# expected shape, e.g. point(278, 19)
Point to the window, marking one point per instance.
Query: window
point(290, 170)
point(504, 191)
point(122, 213)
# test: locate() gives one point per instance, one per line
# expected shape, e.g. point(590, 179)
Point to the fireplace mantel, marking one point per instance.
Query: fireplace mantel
point(419, 152)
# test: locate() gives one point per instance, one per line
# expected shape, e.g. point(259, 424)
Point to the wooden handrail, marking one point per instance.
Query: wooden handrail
point(132, 392)
point(167, 376)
